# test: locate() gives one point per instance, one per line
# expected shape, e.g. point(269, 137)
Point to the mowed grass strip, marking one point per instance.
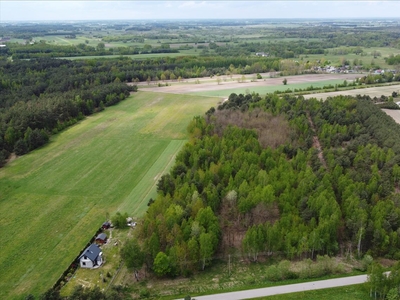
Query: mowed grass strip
point(54, 199)
point(147, 187)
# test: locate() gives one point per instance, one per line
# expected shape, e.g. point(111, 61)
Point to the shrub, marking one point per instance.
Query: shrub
point(144, 293)
point(272, 273)
point(119, 220)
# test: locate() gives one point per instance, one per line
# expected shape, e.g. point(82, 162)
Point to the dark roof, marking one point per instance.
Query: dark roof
point(91, 252)
point(102, 236)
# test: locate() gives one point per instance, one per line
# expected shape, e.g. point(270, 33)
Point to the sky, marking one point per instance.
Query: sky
point(47, 10)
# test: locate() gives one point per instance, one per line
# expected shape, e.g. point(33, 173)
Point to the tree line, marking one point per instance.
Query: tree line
point(42, 97)
point(43, 49)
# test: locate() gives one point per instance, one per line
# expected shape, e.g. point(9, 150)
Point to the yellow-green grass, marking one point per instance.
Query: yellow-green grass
point(54, 199)
point(268, 89)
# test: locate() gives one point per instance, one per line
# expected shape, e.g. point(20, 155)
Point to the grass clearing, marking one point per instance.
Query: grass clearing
point(53, 200)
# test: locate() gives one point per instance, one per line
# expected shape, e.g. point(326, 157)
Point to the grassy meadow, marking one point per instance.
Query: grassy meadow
point(267, 89)
point(54, 199)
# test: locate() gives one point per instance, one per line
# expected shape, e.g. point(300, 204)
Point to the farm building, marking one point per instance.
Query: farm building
point(101, 238)
point(106, 225)
point(91, 258)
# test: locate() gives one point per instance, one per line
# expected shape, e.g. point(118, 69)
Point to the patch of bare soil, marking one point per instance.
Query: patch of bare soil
point(272, 131)
point(12, 157)
point(386, 263)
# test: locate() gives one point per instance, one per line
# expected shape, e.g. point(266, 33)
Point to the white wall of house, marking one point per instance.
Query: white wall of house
point(86, 263)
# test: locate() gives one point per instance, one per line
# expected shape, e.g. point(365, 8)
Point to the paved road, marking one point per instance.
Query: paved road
point(285, 289)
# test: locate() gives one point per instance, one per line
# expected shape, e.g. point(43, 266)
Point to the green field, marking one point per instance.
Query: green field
point(266, 89)
point(54, 199)
point(367, 58)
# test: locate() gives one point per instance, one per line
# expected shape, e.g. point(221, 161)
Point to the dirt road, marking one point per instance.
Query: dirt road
point(372, 92)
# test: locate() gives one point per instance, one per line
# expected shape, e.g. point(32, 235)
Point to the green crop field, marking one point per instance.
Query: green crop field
point(54, 199)
point(267, 89)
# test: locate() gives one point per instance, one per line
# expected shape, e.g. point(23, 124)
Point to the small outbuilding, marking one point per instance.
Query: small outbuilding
point(91, 258)
point(101, 238)
point(106, 225)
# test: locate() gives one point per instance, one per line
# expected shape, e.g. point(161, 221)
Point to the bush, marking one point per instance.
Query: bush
point(366, 261)
point(272, 273)
point(20, 147)
point(119, 220)
point(144, 293)
point(284, 270)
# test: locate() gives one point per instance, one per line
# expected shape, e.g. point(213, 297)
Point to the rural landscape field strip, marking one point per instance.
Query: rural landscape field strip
point(54, 199)
point(208, 87)
point(268, 89)
point(147, 186)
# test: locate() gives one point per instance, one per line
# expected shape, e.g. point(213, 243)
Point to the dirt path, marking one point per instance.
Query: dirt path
point(372, 92)
point(316, 143)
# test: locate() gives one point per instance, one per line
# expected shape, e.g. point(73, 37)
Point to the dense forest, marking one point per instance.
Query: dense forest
point(278, 176)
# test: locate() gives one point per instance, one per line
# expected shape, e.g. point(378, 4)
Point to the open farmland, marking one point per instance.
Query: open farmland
point(54, 199)
point(210, 87)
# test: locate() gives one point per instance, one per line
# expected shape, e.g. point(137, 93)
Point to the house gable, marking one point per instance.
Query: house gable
point(91, 257)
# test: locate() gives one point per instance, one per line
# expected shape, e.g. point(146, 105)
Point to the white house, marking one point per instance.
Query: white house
point(91, 258)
